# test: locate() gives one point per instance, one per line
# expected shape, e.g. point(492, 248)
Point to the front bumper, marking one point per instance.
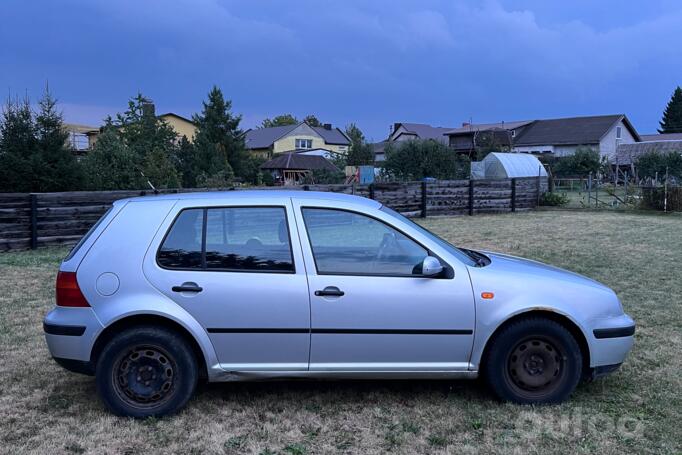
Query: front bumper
point(611, 340)
point(70, 334)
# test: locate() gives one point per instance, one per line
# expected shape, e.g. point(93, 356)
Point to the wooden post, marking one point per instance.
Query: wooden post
point(306, 187)
point(537, 187)
point(665, 192)
point(423, 214)
point(625, 186)
point(371, 190)
point(513, 195)
point(471, 197)
point(589, 189)
point(34, 221)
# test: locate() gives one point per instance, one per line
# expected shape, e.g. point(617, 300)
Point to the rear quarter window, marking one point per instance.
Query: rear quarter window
point(182, 249)
point(87, 235)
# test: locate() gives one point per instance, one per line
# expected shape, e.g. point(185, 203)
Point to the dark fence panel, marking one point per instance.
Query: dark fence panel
point(661, 198)
point(41, 219)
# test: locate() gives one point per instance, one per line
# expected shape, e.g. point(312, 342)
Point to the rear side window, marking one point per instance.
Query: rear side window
point(181, 248)
point(254, 239)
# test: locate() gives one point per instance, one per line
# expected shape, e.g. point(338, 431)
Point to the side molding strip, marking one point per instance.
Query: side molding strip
point(346, 331)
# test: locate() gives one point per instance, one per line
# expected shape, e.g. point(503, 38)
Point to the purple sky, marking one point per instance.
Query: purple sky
point(374, 63)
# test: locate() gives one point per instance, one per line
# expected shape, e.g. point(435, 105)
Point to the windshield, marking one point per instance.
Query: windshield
point(462, 255)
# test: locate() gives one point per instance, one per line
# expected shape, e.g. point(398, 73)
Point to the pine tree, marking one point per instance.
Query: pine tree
point(110, 165)
point(58, 169)
point(185, 162)
point(17, 147)
point(218, 143)
point(672, 116)
point(151, 142)
point(159, 169)
point(34, 156)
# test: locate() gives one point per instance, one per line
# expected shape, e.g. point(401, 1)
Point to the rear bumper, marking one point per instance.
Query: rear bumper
point(70, 333)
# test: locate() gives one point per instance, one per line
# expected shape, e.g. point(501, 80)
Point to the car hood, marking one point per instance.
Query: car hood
point(537, 271)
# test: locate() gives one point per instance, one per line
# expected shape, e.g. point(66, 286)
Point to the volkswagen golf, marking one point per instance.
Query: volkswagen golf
point(166, 291)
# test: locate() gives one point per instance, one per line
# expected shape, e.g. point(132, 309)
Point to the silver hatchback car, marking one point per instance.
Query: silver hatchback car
point(248, 285)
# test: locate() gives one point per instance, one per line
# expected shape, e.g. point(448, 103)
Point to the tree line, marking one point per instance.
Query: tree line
point(136, 150)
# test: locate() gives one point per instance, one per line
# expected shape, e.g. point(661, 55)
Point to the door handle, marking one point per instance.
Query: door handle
point(187, 287)
point(330, 291)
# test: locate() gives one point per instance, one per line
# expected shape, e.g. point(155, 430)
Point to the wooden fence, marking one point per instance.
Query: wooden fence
point(42, 219)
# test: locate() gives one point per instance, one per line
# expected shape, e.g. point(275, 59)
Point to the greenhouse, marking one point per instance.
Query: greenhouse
point(507, 165)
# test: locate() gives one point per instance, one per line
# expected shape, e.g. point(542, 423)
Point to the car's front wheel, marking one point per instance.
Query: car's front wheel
point(146, 371)
point(533, 361)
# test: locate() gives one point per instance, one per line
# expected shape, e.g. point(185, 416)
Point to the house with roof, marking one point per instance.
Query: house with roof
point(661, 137)
point(563, 136)
point(559, 137)
point(408, 131)
point(272, 141)
point(181, 125)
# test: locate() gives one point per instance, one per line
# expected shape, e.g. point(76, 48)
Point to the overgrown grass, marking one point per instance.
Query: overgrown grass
point(44, 409)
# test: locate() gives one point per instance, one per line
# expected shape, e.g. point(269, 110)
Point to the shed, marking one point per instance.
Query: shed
point(507, 165)
point(293, 168)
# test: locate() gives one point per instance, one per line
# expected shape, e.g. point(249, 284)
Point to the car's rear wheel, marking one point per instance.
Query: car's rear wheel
point(533, 361)
point(146, 371)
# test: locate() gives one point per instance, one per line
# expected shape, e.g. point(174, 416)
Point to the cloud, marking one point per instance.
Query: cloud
point(438, 61)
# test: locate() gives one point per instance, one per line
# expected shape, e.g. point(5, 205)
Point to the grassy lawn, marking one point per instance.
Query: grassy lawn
point(44, 409)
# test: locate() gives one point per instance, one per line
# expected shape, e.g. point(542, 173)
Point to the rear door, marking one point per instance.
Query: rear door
point(371, 311)
point(239, 272)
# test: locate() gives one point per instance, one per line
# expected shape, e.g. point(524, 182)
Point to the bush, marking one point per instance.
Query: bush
point(655, 163)
point(581, 163)
point(417, 159)
point(554, 199)
point(325, 176)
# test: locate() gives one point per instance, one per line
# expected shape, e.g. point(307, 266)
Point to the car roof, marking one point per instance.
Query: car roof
point(257, 194)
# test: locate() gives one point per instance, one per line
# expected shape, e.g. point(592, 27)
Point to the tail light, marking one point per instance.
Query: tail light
point(68, 292)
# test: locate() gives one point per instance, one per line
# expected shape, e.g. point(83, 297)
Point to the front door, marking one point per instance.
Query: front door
point(370, 310)
point(240, 274)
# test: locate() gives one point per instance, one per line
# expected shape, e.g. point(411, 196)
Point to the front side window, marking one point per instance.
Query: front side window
point(304, 143)
point(229, 239)
point(354, 244)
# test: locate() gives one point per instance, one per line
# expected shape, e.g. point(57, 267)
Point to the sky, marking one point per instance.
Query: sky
point(369, 62)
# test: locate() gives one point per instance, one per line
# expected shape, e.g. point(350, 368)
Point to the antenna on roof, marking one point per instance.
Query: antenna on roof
point(149, 183)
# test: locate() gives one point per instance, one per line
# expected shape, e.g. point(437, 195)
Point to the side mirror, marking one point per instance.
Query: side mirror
point(431, 267)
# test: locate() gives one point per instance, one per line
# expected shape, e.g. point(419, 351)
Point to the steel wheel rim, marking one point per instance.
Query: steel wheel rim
point(144, 376)
point(536, 367)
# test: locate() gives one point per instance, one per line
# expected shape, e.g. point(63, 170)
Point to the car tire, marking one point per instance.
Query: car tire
point(146, 371)
point(533, 361)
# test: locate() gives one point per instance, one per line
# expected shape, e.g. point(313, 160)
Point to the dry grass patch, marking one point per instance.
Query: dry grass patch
point(44, 409)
